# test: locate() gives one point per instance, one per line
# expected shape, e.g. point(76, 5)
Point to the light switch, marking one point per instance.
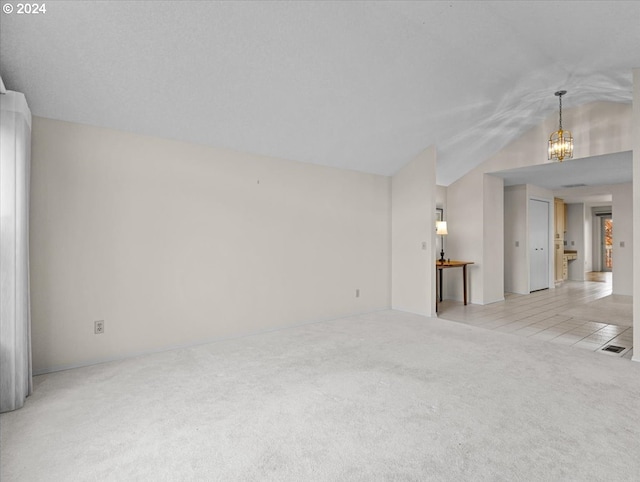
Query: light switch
point(622, 244)
point(517, 244)
point(424, 245)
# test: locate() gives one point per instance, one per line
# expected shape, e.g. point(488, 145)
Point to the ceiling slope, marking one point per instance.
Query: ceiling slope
point(356, 85)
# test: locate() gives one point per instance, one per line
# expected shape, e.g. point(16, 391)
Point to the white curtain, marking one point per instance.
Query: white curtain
point(15, 316)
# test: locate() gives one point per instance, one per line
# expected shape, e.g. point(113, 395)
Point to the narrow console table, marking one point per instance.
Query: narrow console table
point(440, 266)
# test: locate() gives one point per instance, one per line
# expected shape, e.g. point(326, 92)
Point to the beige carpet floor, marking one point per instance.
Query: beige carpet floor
point(612, 309)
point(383, 396)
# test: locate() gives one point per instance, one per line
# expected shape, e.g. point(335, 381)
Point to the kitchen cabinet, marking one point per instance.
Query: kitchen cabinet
point(559, 218)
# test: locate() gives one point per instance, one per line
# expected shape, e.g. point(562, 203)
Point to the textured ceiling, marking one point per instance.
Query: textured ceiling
point(358, 85)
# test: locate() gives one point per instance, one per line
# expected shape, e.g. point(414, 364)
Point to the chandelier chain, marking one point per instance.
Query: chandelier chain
point(560, 98)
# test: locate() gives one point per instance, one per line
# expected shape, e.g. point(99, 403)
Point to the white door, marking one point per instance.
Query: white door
point(538, 245)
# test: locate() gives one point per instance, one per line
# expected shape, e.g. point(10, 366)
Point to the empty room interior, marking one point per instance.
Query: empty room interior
point(319, 240)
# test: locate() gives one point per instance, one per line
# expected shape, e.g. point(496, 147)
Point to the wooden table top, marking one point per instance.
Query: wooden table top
point(452, 264)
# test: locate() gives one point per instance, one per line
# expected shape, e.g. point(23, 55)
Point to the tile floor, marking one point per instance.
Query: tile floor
point(540, 315)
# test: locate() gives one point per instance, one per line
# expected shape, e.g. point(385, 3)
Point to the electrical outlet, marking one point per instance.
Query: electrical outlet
point(98, 327)
point(357, 293)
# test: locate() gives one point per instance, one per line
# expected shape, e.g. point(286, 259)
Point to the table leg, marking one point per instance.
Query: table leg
point(440, 274)
point(464, 282)
point(436, 289)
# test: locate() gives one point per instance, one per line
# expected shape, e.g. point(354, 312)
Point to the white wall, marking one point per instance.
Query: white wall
point(465, 240)
point(541, 193)
point(475, 224)
point(173, 243)
point(588, 238)
point(493, 239)
point(622, 215)
point(441, 198)
point(413, 235)
point(516, 264)
point(575, 239)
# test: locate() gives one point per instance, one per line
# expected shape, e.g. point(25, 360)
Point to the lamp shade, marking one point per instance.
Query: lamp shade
point(441, 228)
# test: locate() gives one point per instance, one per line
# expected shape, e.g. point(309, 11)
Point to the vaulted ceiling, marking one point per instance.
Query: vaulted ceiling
point(358, 85)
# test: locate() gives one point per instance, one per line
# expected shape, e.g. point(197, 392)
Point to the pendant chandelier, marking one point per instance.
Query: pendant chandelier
point(560, 142)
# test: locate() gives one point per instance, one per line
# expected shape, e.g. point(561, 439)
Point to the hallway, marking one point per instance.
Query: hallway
point(577, 314)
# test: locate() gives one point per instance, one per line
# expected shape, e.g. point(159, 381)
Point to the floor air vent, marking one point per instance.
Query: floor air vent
point(613, 348)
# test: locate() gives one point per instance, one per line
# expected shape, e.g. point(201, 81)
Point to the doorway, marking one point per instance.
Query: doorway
point(606, 236)
point(538, 245)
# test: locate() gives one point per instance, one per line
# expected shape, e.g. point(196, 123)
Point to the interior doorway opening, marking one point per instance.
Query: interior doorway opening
point(606, 237)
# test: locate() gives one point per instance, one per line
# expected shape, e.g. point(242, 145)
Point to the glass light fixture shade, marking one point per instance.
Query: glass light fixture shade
point(560, 145)
point(441, 228)
point(560, 142)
